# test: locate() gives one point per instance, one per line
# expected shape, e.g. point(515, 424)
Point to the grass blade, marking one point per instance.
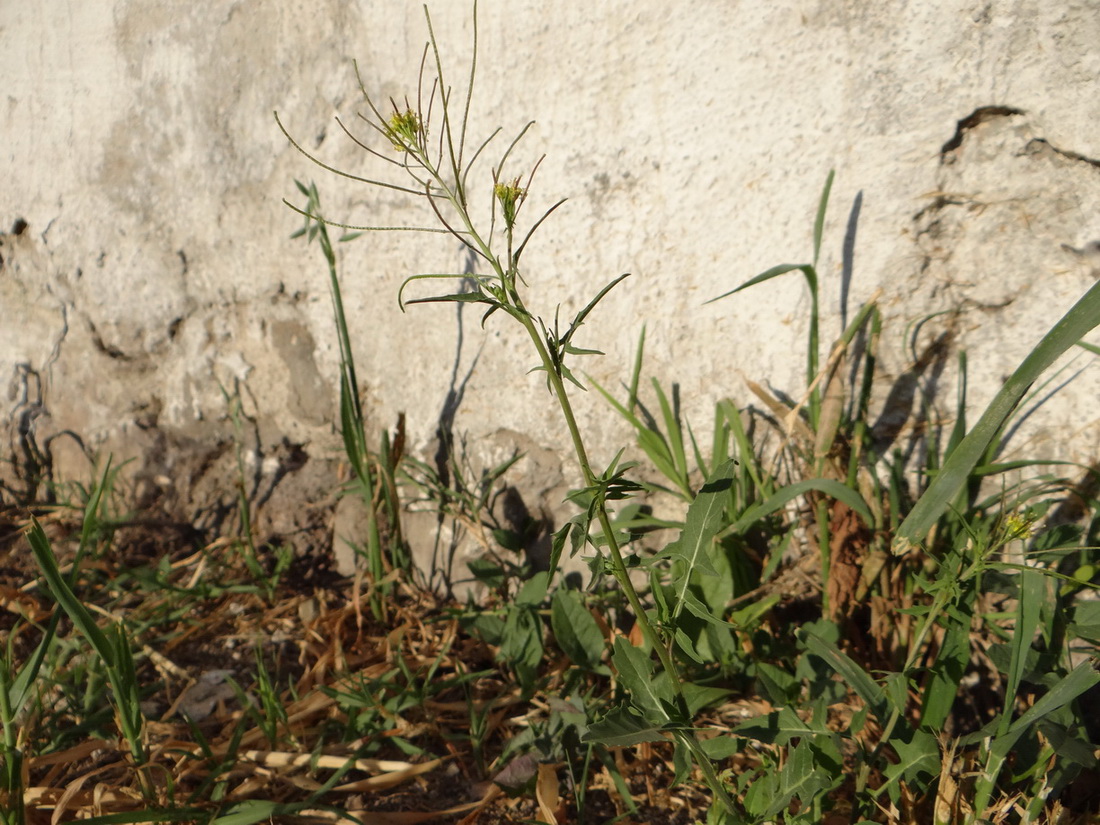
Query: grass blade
point(819, 220)
point(778, 500)
point(766, 275)
point(1032, 585)
point(1076, 682)
point(1081, 318)
point(47, 563)
point(675, 437)
point(856, 677)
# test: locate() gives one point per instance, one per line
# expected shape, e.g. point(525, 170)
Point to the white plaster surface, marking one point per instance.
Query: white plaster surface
point(137, 142)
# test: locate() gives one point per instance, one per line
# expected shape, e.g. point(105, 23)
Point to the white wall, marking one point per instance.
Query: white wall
point(692, 140)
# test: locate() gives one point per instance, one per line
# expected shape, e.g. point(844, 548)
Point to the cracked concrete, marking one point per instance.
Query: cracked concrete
point(146, 268)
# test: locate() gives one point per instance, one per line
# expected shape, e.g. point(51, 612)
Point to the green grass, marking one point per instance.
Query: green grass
point(851, 623)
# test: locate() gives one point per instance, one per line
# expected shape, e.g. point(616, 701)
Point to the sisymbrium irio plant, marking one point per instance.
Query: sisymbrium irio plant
point(428, 144)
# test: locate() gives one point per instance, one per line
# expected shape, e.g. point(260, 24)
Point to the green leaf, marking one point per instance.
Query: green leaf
point(704, 520)
point(453, 298)
point(721, 747)
point(688, 646)
point(1076, 682)
point(819, 219)
point(778, 500)
point(896, 688)
point(651, 441)
point(1068, 747)
point(149, 815)
point(621, 728)
point(20, 689)
point(521, 643)
point(855, 676)
point(700, 696)
point(635, 670)
point(576, 631)
point(578, 320)
point(919, 759)
point(1032, 585)
point(702, 611)
point(477, 296)
point(675, 435)
point(779, 686)
point(800, 779)
point(947, 672)
point(749, 615)
point(766, 275)
point(776, 728)
point(43, 553)
point(1081, 318)
point(576, 530)
point(257, 810)
point(1086, 621)
point(533, 591)
point(758, 798)
point(91, 514)
point(489, 573)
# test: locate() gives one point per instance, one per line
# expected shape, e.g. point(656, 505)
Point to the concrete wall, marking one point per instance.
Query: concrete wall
point(147, 263)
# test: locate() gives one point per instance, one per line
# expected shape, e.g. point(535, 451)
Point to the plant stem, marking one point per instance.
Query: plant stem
point(619, 570)
point(507, 298)
point(11, 776)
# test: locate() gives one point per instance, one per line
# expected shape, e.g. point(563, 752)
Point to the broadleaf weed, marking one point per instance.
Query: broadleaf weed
point(439, 176)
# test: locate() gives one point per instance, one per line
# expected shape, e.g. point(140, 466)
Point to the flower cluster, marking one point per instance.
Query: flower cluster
point(1019, 526)
point(509, 195)
point(404, 130)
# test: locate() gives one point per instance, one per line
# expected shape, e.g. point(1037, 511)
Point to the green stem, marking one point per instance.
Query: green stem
point(352, 419)
point(618, 565)
point(515, 307)
point(11, 779)
point(824, 550)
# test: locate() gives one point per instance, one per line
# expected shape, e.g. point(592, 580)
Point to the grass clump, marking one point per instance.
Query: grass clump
point(855, 621)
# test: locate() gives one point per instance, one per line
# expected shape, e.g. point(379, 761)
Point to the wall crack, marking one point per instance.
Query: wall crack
point(1037, 146)
point(981, 115)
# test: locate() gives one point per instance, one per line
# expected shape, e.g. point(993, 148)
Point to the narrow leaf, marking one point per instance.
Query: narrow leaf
point(766, 275)
point(819, 220)
point(40, 545)
point(1032, 585)
point(856, 677)
point(1076, 682)
point(778, 500)
point(1081, 318)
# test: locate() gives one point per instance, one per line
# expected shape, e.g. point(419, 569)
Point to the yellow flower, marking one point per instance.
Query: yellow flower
point(1019, 526)
point(509, 195)
point(404, 130)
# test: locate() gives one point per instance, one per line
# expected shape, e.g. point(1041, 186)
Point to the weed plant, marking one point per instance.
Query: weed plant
point(374, 473)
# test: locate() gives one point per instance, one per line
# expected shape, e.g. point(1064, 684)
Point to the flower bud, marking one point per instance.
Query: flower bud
point(509, 195)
